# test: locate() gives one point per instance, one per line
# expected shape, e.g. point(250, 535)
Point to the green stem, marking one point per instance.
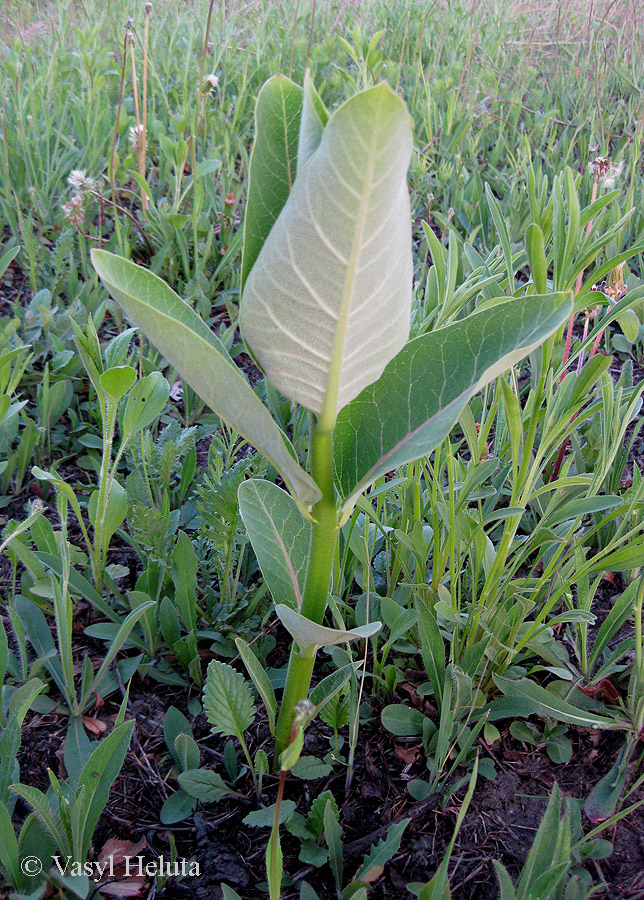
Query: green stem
point(639, 662)
point(105, 479)
point(314, 600)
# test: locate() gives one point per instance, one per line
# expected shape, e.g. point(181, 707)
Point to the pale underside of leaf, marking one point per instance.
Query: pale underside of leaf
point(416, 402)
point(198, 355)
point(280, 536)
point(309, 635)
point(328, 301)
point(312, 124)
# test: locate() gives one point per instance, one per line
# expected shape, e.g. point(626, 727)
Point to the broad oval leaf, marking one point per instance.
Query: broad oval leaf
point(273, 163)
point(416, 402)
point(328, 302)
point(281, 538)
point(309, 635)
point(190, 346)
point(117, 381)
point(204, 785)
point(401, 720)
point(145, 404)
point(115, 511)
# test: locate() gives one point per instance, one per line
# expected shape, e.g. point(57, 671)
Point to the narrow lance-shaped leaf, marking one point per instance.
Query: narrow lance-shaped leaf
point(281, 538)
point(99, 774)
point(260, 679)
point(273, 163)
point(190, 346)
point(547, 704)
point(416, 402)
point(328, 302)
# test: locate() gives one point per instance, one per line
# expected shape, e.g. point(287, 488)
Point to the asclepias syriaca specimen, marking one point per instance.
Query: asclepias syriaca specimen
point(325, 310)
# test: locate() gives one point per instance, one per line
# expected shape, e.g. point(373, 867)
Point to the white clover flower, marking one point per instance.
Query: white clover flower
point(80, 181)
point(136, 133)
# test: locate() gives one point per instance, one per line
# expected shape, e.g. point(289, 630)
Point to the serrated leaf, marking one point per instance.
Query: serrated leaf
point(383, 851)
point(281, 538)
point(418, 398)
point(227, 700)
point(315, 818)
point(273, 163)
point(264, 818)
point(310, 768)
point(309, 635)
point(189, 345)
point(328, 302)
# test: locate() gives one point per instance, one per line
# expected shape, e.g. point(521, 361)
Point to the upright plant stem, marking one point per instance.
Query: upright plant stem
point(314, 600)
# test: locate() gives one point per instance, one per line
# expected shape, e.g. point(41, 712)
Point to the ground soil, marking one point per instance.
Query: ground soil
point(500, 824)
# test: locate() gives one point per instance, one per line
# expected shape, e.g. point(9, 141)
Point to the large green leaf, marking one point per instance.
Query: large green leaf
point(194, 351)
point(273, 163)
point(281, 538)
point(415, 403)
point(327, 304)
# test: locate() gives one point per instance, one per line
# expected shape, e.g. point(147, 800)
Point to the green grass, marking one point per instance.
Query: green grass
point(487, 96)
point(485, 575)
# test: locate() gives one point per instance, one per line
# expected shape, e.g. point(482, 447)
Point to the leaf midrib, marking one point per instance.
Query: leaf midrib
point(329, 414)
